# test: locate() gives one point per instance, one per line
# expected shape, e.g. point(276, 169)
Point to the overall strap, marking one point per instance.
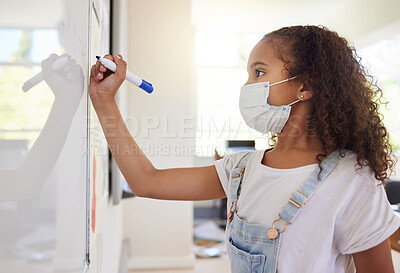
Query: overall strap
point(237, 178)
point(300, 197)
point(236, 184)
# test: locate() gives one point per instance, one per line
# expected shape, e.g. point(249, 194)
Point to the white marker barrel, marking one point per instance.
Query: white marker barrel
point(133, 78)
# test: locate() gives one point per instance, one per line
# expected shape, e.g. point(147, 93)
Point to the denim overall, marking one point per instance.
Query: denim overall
point(254, 248)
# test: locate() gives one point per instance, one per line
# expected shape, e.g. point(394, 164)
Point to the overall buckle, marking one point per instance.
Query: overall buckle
point(232, 212)
point(297, 204)
point(241, 172)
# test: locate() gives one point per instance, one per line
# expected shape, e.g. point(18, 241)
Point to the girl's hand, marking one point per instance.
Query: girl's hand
point(104, 84)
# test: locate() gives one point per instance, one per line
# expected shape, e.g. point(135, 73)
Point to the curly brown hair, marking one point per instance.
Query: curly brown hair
point(345, 98)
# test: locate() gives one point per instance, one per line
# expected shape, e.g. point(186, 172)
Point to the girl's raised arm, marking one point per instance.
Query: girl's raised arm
point(201, 183)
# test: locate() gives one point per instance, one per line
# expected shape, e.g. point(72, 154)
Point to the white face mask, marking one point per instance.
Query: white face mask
point(256, 111)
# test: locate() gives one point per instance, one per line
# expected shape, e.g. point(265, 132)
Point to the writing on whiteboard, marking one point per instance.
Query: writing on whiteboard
point(70, 37)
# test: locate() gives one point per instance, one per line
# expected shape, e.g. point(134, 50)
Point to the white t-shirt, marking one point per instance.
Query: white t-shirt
point(348, 213)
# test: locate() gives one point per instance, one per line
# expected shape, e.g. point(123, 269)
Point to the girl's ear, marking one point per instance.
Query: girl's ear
point(305, 92)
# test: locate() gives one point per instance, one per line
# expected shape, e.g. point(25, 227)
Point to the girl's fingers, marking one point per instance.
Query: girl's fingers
point(100, 69)
point(108, 56)
point(118, 56)
point(121, 68)
point(95, 74)
point(99, 76)
point(92, 71)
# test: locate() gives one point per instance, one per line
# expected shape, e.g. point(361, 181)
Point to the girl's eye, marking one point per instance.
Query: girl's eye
point(259, 73)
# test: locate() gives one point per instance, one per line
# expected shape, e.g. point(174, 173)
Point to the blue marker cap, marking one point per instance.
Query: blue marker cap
point(146, 86)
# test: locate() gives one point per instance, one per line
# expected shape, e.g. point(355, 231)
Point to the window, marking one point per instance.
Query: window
point(383, 61)
point(24, 114)
point(221, 60)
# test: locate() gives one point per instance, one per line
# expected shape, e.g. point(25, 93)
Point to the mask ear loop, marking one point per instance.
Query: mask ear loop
point(289, 79)
point(283, 81)
point(296, 101)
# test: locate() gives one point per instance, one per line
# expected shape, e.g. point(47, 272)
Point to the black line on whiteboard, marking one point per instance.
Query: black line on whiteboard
point(95, 13)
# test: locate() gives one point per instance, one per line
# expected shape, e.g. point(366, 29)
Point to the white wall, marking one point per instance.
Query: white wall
point(161, 52)
point(110, 240)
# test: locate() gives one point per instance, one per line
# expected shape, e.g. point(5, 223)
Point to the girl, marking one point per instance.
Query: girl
point(316, 201)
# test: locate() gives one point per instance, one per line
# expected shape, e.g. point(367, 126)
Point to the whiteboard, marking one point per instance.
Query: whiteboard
point(50, 149)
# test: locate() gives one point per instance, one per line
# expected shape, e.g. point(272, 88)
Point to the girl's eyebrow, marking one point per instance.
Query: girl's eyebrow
point(256, 63)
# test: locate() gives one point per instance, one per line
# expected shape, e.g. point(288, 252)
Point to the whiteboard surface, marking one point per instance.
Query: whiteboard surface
point(44, 164)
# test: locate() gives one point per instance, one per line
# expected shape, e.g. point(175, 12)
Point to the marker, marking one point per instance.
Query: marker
point(58, 64)
point(146, 86)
